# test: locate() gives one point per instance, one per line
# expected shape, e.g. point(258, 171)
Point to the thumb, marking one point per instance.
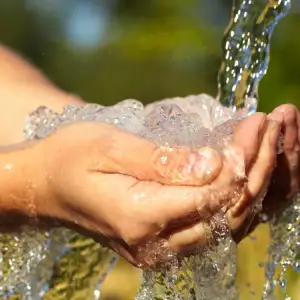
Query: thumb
point(248, 136)
point(134, 156)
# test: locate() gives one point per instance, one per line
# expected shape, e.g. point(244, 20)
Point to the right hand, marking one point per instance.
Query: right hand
point(112, 186)
point(286, 178)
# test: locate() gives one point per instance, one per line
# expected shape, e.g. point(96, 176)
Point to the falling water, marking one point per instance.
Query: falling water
point(246, 47)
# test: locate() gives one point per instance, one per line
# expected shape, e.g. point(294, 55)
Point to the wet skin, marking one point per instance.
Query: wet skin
point(110, 184)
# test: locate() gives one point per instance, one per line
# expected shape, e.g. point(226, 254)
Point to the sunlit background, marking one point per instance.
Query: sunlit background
point(109, 50)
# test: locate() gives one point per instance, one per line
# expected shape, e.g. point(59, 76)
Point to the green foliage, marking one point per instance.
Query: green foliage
point(150, 50)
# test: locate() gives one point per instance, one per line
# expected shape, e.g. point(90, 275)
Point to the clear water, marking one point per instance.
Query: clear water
point(27, 260)
point(284, 250)
point(193, 121)
point(246, 47)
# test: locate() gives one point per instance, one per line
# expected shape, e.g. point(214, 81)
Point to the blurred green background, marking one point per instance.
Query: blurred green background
point(109, 50)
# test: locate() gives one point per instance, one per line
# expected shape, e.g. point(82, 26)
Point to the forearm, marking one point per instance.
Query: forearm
point(21, 184)
point(22, 89)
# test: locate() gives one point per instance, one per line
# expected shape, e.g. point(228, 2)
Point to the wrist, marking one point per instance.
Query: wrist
point(23, 184)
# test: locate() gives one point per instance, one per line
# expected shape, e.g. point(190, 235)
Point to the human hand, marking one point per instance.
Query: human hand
point(285, 180)
point(113, 186)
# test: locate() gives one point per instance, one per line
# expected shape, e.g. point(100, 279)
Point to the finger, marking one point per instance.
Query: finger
point(173, 206)
point(240, 215)
point(207, 200)
point(147, 203)
point(183, 166)
point(128, 154)
point(242, 225)
point(288, 162)
point(261, 171)
point(248, 135)
point(199, 235)
point(189, 238)
point(227, 188)
point(246, 143)
point(244, 147)
point(287, 115)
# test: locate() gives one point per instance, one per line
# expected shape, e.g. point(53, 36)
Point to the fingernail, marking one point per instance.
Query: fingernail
point(208, 165)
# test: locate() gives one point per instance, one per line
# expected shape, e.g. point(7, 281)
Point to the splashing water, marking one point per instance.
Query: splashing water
point(193, 121)
point(189, 122)
point(211, 273)
point(246, 47)
point(284, 249)
point(27, 261)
